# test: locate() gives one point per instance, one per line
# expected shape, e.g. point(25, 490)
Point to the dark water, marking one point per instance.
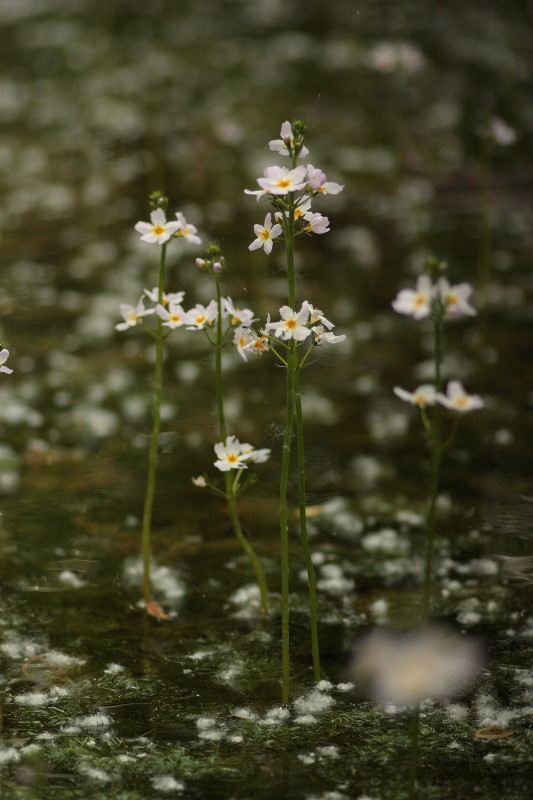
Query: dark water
point(100, 103)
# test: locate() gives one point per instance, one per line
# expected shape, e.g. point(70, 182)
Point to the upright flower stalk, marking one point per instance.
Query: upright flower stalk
point(233, 457)
point(434, 297)
point(290, 192)
point(154, 439)
point(169, 315)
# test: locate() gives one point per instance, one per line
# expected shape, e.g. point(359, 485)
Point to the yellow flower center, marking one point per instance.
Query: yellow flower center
point(232, 458)
point(283, 183)
point(461, 402)
point(158, 230)
point(175, 318)
point(200, 319)
point(419, 300)
point(291, 323)
point(451, 300)
point(264, 234)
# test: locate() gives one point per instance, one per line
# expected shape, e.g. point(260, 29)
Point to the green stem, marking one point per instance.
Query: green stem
point(289, 246)
point(435, 444)
point(284, 526)
point(152, 453)
point(232, 485)
point(311, 580)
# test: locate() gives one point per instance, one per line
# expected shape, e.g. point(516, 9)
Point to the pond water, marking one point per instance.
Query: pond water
point(424, 112)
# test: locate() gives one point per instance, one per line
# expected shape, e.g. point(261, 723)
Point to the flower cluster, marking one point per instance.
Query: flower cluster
point(455, 399)
point(171, 311)
point(440, 297)
point(300, 325)
point(291, 191)
point(233, 454)
point(159, 231)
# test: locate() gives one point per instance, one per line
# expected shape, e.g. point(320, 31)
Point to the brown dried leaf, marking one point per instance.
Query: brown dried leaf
point(154, 609)
point(493, 732)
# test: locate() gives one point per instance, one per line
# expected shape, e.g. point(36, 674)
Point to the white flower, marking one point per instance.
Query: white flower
point(4, 355)
point(455, 298)
point(317, 182)
point(456, 398)
point(322, 335)
point(256, 456)
point(239, 316)
point(415, 302)
point(300, 210)
point(132, 315)
point(316, 315)
point(281, 181)
point(230, 455)
point(316, 223)
point(258, 345)
point(200, 316)
point(186, 231)
point(292, 325)
point(282, 145)
point(158, 231)
point(265, 234)
point(174, 317)
point(199, 481)
point(242, 338)
point(422, 396)
point(171, 297)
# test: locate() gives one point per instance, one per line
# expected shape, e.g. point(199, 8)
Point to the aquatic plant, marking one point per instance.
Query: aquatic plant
point(291, 192)
point(169, 315)
point(225, 320)
point(434, 298)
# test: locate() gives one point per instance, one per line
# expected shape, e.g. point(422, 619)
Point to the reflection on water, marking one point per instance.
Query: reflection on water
point(426, 119)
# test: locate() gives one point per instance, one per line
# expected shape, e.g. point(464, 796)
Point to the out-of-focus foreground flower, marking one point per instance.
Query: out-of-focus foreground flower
point(406, 668)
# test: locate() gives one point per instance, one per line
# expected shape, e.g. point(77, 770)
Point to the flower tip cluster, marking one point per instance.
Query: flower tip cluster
point(291, 138)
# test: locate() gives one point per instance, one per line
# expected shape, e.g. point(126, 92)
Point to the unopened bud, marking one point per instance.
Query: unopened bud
point(217, 266)
point(200, 263)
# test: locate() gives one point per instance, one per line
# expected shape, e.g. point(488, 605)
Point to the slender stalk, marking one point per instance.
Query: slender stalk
point(435, 444)
point(284, 527)
point(231, 487)
point(152, 453)
point(313, 614)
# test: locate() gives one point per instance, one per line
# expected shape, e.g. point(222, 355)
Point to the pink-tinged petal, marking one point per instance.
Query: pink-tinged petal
point(268, 222)
point(256, 244)
point(277, 230)
point(268, 246)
